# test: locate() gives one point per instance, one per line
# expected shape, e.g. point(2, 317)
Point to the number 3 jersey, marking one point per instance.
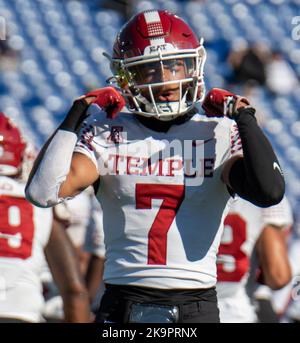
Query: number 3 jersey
point(162, 197)
point(24, 232)
point(242, 227)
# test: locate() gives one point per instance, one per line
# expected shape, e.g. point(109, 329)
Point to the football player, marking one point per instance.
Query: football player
point(26, 233)
point(249, 231)
point(74, 216)
point(82, 219)
point(163, 172)
point(286, 302)
point(94, 246)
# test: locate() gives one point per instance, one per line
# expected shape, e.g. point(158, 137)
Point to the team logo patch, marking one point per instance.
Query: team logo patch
point(87, 136)
point(115, 135)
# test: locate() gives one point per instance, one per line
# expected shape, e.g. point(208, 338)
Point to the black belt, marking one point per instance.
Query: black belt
point(139, 294)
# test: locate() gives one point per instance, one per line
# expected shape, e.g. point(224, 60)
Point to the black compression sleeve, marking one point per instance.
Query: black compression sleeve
point(75, 116)
point(257, 177)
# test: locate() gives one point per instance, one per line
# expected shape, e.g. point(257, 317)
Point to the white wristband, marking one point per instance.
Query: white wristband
point(53, 169)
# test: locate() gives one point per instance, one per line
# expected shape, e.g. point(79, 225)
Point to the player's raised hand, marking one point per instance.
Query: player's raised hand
point(107, 98)
point(219, 102)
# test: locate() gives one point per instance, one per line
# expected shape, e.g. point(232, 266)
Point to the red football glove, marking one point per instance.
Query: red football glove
point(219, 102)
point(109, 99)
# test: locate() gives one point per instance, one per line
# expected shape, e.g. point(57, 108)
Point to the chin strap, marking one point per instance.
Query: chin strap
point(165, 111)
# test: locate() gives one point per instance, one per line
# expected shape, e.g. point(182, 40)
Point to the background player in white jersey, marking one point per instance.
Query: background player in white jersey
point(286, 302)
point(94, 246)
point(166, 171)
point(75, 215)
point(82, 219)
point(262, 293)
point(250, 230)
point(26, 232)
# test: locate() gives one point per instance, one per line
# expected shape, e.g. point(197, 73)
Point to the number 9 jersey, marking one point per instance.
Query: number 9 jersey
point(24, 232)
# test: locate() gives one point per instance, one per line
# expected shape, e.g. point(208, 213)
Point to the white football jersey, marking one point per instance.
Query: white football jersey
point(162, 197)
point(24, 232)
point(242, 227)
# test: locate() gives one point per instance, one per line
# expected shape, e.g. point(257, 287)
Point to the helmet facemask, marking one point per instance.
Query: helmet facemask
point(141, 78)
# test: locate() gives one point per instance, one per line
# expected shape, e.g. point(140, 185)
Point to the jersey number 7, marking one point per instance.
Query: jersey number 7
point(172, 196)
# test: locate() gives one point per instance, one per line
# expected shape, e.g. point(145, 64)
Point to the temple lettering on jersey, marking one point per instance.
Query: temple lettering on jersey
point(171, 167)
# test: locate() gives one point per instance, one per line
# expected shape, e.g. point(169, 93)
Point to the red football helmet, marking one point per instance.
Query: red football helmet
point(148, 44)
point(12, 147)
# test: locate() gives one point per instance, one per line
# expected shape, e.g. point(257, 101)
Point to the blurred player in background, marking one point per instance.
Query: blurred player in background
point(162, 217)
point(74, 214)
point(26, 233)
point(81, 218)
point(95, 247)
point(251, 231)
point(286, 302)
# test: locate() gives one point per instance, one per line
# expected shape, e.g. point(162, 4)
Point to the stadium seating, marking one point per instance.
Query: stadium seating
point(60, 44)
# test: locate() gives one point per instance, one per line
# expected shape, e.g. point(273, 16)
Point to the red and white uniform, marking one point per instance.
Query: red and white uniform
point(24, 232)
point(162, 222)
point(242, 227)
